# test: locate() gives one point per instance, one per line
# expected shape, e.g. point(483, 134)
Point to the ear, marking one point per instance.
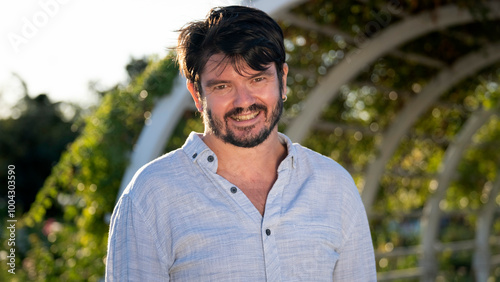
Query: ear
point(285, 74)
point(195, 94)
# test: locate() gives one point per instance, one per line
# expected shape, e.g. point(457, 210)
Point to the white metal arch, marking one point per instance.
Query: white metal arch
point(432, 211)
point(391, 37)
point(164, 117)
point(466, 66)
point(482, 254)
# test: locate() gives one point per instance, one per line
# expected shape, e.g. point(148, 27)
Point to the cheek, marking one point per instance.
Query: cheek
point(216, 104)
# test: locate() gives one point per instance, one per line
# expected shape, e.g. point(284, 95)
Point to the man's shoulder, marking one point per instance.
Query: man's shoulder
point(324, 170)
point(331, 179)
point(318, 161)
point(165, 164)
point(164, 171)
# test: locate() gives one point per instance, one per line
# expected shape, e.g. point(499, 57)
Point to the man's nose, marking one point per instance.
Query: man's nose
point(244, 97)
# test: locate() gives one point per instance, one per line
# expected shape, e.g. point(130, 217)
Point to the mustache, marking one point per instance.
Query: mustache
point(239, 110)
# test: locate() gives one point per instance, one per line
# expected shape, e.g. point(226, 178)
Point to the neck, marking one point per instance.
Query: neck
point(263, 158)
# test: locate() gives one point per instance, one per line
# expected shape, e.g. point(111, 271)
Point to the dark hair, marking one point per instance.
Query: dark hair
point(242, 34)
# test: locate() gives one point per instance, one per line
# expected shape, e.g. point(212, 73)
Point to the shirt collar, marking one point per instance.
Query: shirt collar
point(199, 152)
point(194, 146)
point(290, 160)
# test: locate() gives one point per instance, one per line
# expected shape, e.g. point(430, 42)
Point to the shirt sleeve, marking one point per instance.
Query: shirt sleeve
point(357, 260)
point(132, 248)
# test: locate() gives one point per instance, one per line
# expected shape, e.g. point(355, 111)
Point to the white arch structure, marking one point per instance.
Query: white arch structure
point(390, 38)
point(164, 117)
point(482, 254)
point(432, 211)
point(466, 66)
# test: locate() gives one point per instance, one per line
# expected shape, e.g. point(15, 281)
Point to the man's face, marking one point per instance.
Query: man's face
point(241, 108)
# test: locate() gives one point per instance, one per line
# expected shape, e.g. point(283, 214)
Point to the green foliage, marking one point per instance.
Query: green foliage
point(191, 121)
point(67, 223)
point(33, 150)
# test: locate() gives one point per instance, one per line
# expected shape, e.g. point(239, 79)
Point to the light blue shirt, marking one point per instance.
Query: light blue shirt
point(180, 221)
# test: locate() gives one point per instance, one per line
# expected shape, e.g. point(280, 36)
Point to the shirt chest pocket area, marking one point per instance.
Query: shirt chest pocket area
point(309, 251)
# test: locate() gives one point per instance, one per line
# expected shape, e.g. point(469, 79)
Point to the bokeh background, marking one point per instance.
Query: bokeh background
point(403, 93)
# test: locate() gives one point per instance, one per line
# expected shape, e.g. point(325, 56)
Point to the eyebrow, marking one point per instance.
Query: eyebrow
point(266, 72)
point(215, 81)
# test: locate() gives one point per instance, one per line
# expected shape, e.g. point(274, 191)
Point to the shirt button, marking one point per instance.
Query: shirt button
point(234, 190)
point(210, 159)
point(268, 232)
point(195, 155)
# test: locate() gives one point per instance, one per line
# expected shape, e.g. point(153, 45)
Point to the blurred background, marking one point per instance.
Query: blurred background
point(403, 93)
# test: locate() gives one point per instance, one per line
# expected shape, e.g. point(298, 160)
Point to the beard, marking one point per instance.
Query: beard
point(222, 131)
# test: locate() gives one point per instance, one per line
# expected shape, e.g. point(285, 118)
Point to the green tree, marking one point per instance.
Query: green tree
point(33, 143)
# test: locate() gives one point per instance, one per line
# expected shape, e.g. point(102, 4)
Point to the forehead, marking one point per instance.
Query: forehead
point(220, 65)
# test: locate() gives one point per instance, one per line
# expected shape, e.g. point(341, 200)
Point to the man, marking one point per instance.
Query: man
point(239, 202)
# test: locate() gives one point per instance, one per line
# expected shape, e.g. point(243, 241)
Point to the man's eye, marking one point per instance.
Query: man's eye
point(220, 87)
point(259, 79)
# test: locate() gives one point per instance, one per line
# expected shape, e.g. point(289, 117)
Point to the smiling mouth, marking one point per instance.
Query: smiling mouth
point(245, 117)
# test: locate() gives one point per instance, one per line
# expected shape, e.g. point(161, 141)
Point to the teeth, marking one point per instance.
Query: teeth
point(245, 117)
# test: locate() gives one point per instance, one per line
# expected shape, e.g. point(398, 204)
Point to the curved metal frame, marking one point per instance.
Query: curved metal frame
point(432, 212)
point(415, 108)
point(164, 117)
point(482, 254)
point(391, 37)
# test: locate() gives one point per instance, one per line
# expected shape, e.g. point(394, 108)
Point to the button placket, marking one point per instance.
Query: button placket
point(270, 223)
point(271, 256)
